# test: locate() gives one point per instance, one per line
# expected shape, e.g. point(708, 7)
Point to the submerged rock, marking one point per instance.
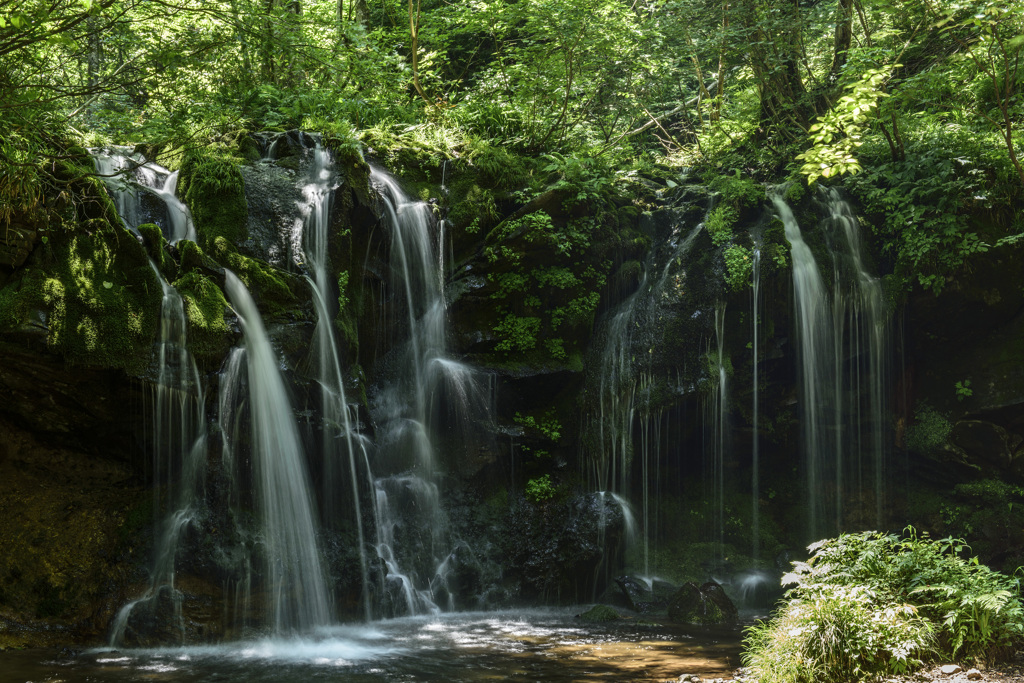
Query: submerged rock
point(705, 605)
point(644, 595)
point(599, 614)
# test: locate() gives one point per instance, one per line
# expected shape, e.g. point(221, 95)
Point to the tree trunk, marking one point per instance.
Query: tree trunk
point(777, 68)
point(843, 39)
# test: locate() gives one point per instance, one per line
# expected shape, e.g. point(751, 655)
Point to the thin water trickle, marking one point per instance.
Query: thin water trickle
point(718, 427)
point(816, 355)
point(179, 457)
point(621, 388)
point(755, 445)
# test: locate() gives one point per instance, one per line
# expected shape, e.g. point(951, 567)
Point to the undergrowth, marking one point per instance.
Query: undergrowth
point(870, 604)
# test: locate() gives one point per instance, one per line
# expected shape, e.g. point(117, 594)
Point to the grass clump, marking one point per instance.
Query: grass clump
point(869, 604)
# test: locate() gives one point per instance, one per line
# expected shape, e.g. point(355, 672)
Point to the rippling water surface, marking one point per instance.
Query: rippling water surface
point(549, 645)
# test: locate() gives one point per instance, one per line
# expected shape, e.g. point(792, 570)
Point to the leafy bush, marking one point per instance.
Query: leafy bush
point(926, 202)
point(739, 266)
point(929, 432)
point(540, 489)
point(871, 604)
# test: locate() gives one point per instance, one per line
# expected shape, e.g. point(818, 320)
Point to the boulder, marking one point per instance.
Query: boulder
point(645, 596)
point(705, 605)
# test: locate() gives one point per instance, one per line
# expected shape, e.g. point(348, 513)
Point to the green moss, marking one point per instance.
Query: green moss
point(103, 300)
point(213, 188)
point(270, 287)
point(205, 305)
point(600, 614)
point(472, 206)
point(20, 296)
point(194, 258)
point(154, 242)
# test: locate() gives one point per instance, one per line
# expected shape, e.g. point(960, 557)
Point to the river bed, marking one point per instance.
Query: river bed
point(536, 645)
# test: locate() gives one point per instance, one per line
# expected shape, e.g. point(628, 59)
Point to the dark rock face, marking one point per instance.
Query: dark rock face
point(73, 535)
point(79, 407)
point(645, 596)
point(704, 605)
point(16, 243)
point(552, 550)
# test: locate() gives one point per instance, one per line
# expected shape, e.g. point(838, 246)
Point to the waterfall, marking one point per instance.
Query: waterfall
point(298, 597)
point(178, 418)
point(179, 458)
point(844, 346)
point(816, 354)
point(861, 301)
point(113, 165)
point(116, 165)
point(337, 431)
point(427, 397)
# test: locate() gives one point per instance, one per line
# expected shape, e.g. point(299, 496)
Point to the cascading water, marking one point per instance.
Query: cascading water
point(113, 167)
point(844, 346)
point(338, 442)
point(427, 394)
point(178, 415)
point(816, 353)
point(861, 315)
point(125, 174)
point(179, 458)
point(298, 597)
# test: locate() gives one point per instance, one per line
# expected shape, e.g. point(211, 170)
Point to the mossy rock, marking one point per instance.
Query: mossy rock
point(153, 242)
point(705, 605)
point(273, 289)
point(209, 336)
point(101, 297)
point(599, 614)
point(213, 188)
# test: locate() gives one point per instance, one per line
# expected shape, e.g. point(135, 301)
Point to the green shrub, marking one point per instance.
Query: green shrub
point(739, 267)
point(872, 604)
point(929, 432)
point(540, 489)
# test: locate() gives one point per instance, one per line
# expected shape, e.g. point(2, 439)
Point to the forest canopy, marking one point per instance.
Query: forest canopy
point(916, 102)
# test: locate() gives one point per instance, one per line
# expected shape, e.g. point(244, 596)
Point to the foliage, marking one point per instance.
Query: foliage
point(837, 134)
point(873, 604)
point(547, 424)
point(540, 489)
point(739, 266)
point(963, 390)
point(925, 201)
point(719, 223)
point(929, 432)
